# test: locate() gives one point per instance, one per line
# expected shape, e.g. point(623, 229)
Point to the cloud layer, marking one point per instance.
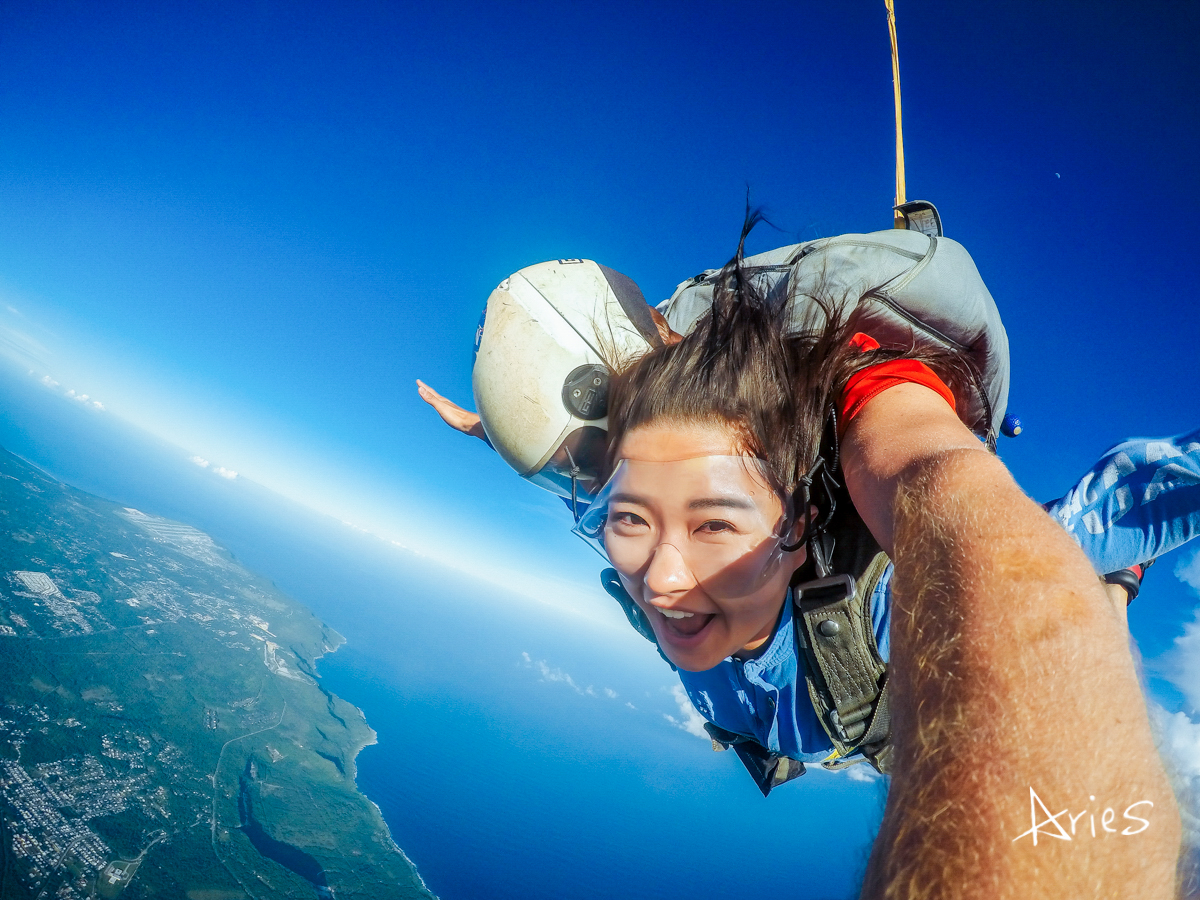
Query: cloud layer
point(689, 719)
point(1178, 734)
point(48, 382)
point(1179, 743)
point(219, 470)
point(555, 675)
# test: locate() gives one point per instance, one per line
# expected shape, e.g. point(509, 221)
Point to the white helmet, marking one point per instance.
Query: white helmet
point(540, 378)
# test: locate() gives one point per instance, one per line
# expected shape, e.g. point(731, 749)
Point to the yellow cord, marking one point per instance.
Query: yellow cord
point(891, 11)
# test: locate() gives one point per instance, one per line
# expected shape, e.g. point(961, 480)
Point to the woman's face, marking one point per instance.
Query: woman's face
point(693, 529)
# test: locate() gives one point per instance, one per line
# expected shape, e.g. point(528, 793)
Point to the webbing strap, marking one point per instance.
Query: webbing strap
point(846, 677)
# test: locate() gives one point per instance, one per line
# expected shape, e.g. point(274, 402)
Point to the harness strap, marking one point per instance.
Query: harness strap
point(846, 677)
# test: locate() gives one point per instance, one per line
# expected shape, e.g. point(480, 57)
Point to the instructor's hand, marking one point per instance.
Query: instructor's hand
point(452, 414)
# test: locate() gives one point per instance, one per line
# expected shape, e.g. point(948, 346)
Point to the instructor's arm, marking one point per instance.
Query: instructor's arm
point(452, 414)
point(1010, 673)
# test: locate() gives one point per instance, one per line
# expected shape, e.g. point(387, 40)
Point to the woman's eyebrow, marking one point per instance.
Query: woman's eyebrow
point(698, 503)
point(721, 503)
point(627, 498)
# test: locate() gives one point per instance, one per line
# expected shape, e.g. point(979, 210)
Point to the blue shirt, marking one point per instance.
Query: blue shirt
point(766, 698)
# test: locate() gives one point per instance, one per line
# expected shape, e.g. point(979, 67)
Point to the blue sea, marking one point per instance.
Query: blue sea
point(499, 783)
point(522, 751)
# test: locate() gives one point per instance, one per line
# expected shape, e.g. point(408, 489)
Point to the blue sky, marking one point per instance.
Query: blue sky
point(248, 228)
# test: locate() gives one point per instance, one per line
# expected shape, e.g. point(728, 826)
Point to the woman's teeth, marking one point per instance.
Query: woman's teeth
point(676, 614)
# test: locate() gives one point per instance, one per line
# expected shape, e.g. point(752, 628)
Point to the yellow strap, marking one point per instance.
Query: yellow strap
point(891, 11)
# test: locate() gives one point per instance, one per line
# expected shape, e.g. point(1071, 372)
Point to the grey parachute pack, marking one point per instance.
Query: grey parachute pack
point(904, 289)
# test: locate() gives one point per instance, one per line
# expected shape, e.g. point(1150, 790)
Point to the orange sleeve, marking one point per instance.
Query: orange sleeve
point(873, 380)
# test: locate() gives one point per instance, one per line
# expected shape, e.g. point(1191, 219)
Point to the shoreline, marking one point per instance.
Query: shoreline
point(371, 741)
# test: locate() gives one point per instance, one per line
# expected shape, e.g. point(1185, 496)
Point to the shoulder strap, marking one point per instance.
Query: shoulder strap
point(846, 678)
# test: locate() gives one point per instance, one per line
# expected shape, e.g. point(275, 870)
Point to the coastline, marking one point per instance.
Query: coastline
point(370, 741)
point(194, 596)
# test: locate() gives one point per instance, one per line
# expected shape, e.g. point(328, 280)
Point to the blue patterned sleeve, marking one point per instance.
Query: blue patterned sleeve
point(1140, 500)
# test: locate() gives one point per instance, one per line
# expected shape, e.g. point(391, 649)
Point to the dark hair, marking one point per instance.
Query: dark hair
point(744, 367)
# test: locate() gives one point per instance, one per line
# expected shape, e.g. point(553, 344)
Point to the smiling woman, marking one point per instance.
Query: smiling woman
point(697, 536)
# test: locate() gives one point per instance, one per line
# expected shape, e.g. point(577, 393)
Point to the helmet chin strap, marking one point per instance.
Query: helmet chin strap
point(574, 473)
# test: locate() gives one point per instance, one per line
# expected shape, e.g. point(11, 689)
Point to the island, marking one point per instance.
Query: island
point(163, 729)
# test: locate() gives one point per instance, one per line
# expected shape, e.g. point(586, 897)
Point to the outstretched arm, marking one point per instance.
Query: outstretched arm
point(452, 414)
point(1011, 679)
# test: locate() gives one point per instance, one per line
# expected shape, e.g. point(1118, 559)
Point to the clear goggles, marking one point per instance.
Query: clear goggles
point(718, 513)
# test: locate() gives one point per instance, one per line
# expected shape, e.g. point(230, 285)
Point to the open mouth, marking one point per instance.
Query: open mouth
point(683, 625)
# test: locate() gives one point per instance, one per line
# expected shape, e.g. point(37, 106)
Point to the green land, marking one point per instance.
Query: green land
point(163, 733)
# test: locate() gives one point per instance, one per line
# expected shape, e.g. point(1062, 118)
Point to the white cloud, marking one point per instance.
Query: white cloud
point(54, 385)
point(81, 398)
point(1177, 734)
point(862, 772)
point(1183, 661)
point(691, 722)
point(630, 705)
point(558, 676)
point(220, 470)
point(1179, 744)
point(1188, 571)
point(555, 676)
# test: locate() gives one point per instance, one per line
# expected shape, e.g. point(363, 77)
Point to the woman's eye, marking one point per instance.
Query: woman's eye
point(626, 519)
point(716, 526)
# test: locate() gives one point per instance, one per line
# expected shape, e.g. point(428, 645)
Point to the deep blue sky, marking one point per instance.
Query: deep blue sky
point(249, 227)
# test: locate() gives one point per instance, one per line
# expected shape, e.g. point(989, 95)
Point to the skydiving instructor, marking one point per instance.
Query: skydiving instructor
point(1008, 666)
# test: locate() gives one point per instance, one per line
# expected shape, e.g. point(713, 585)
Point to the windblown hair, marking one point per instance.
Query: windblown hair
point(743, 367)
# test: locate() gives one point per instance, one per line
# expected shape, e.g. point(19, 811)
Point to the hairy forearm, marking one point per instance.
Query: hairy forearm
point(1010, 671)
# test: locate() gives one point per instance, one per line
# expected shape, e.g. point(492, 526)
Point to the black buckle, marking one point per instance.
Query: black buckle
point(825, 590)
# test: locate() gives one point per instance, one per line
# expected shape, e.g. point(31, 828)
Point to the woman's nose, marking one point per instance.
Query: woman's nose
point(668, 572)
